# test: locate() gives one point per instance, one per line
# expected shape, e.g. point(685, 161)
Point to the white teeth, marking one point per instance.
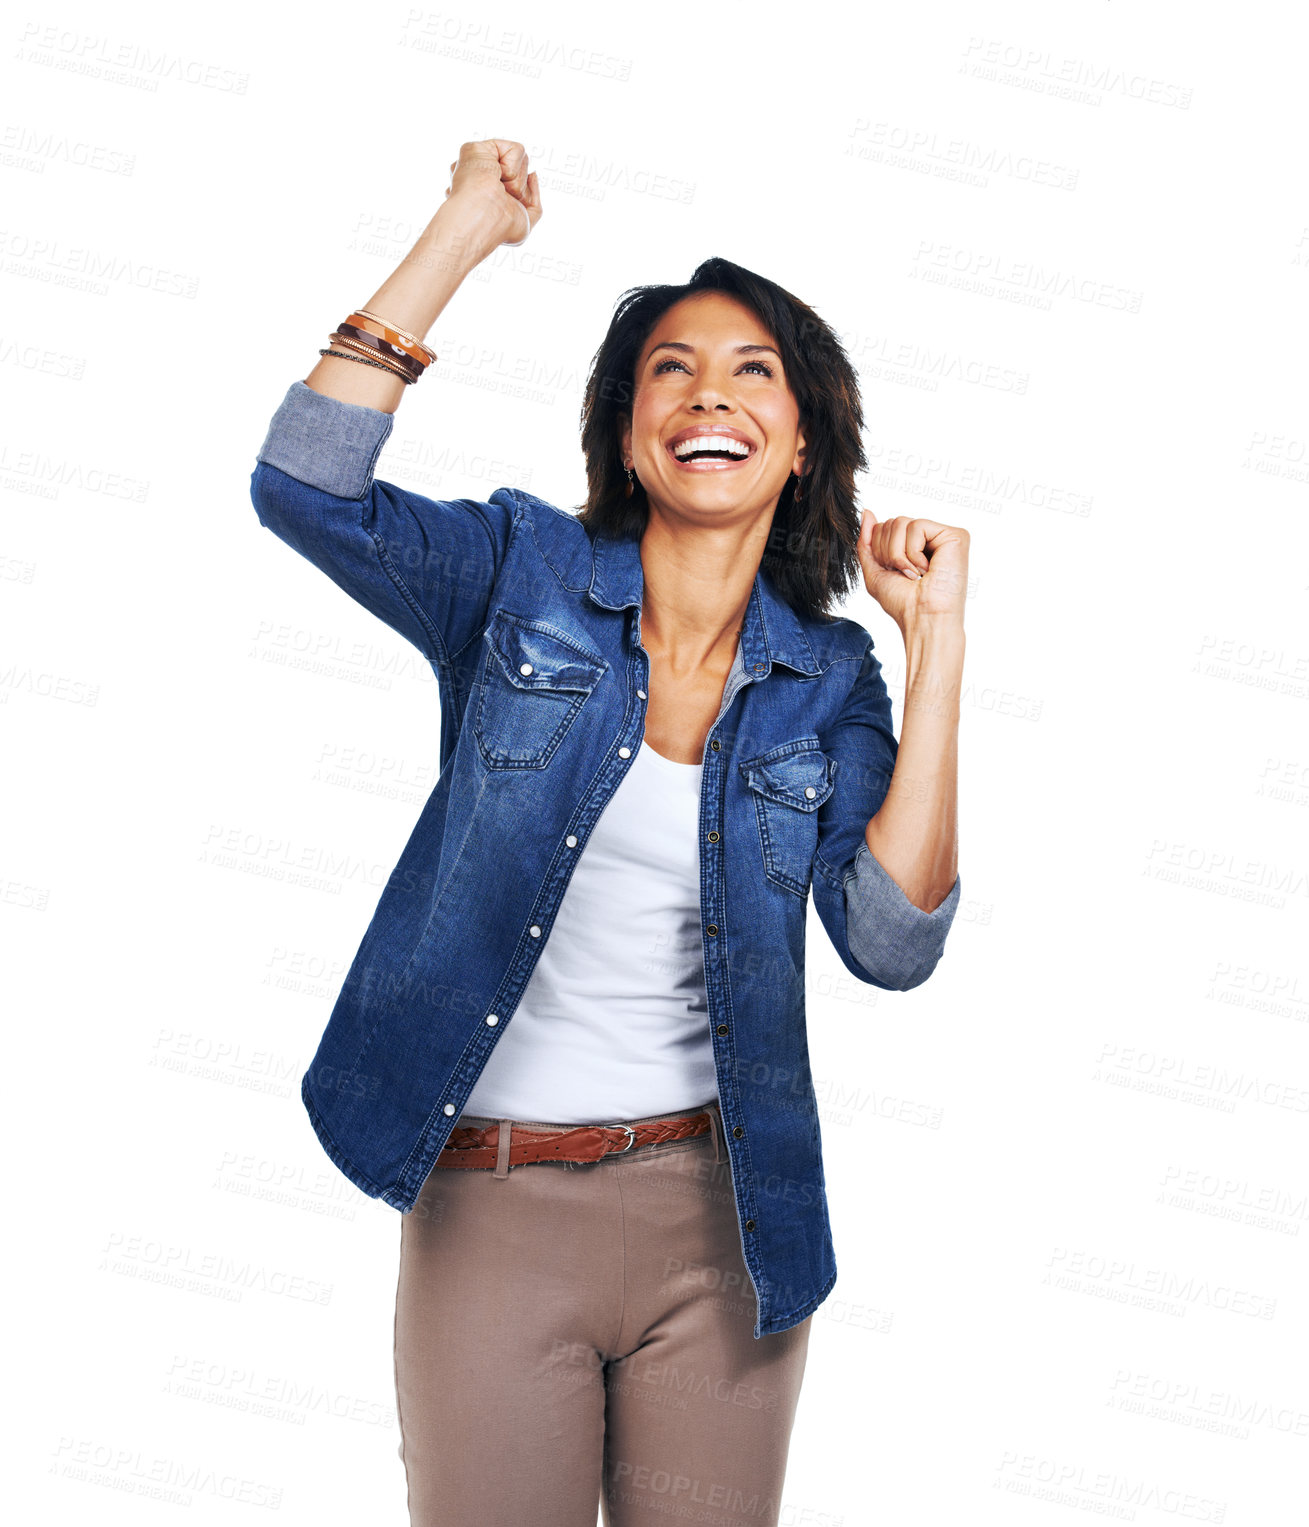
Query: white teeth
point(683, 448)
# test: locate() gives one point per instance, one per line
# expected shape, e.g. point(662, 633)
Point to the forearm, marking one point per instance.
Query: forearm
point(914, 835)
point(412, 298)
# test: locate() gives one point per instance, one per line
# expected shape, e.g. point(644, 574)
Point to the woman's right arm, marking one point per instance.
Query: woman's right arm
point(426, 567)
point(489, 187)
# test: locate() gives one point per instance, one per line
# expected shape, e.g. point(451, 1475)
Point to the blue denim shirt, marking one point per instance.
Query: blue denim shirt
point(534, 633)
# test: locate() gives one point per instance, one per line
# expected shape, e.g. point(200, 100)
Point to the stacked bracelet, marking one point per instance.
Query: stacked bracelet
point(370, 339)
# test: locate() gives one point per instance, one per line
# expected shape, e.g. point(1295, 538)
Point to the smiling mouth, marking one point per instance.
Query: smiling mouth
point(713, 458)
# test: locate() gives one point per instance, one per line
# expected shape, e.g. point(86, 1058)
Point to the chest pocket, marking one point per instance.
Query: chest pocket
point(534, 680)
point(788, 784)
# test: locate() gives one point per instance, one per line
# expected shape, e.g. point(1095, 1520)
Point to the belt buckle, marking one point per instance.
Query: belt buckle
point(631, 1137)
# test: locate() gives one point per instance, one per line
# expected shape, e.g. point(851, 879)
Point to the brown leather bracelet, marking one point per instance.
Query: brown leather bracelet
point(472, 1147)
point(415, 348)
point(403, 333)
point(389, 352)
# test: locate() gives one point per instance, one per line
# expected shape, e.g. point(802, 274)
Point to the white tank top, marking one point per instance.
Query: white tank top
point(614, 1023)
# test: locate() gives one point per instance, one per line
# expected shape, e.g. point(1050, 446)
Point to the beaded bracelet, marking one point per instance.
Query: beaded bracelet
point(362, 359)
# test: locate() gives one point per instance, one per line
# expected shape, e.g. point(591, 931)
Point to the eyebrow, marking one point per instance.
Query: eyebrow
point(677, 344)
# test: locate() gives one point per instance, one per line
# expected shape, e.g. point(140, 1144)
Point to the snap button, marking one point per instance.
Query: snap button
point(737, 1132)
point(722, 1028)
point(449, 1108)
point(749, 1224)
point(534, 931)
point(711, 929)
point(640, 694)
point(571, 841)
point(713, 837)
point(493, 1019)
point(624, 752)
point(525, 668)
point(715, 745)
point(809, 792)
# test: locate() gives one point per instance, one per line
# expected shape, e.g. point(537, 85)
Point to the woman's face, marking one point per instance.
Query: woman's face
point(709, 366)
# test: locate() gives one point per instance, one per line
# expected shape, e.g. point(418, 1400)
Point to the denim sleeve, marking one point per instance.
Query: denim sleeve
point(425, 567)
point(881, 937)
point(886, 932)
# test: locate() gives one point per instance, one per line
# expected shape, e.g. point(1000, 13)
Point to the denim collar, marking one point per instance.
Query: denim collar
point(773, 632)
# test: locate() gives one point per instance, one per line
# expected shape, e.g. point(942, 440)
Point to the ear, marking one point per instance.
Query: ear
point(625, 436)
point(798, 463)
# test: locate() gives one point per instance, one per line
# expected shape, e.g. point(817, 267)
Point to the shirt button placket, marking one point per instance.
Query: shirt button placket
point(711, 929)
point(737, 1134)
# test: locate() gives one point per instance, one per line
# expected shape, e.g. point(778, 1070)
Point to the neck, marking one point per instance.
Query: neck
point(697, 587)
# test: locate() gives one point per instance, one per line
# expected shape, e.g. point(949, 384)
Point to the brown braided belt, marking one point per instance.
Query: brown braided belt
point(468, 1146)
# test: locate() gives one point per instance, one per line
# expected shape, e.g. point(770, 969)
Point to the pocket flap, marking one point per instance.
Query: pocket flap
point(796, 775)
point(536, 656)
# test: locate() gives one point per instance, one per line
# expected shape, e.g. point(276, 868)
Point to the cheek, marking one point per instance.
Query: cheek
point(645, 429)
point(781, 422)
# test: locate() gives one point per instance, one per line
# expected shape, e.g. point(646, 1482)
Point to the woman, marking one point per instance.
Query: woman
point(655, 741)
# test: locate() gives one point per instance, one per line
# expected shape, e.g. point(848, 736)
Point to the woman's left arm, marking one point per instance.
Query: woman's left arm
point(917, 570)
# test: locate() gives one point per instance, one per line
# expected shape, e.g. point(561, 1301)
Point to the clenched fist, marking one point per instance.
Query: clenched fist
point(489, 181)
point(914, 567)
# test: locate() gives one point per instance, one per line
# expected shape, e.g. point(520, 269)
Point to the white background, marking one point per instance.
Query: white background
point(1069, 251)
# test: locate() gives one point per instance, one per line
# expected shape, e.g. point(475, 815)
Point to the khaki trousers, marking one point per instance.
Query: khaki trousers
point(574, 1336)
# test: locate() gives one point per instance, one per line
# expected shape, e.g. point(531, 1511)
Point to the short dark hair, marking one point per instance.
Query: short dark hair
point(810, 555)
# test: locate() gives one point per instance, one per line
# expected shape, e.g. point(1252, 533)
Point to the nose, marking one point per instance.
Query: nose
point(710, 391)
point(708, 397)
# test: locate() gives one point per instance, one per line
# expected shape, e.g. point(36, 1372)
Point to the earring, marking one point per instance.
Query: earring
point(631, 479)
point(795, 497)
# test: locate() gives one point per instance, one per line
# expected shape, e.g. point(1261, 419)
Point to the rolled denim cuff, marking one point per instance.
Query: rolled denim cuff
point(891, 938)
point(326, 443)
